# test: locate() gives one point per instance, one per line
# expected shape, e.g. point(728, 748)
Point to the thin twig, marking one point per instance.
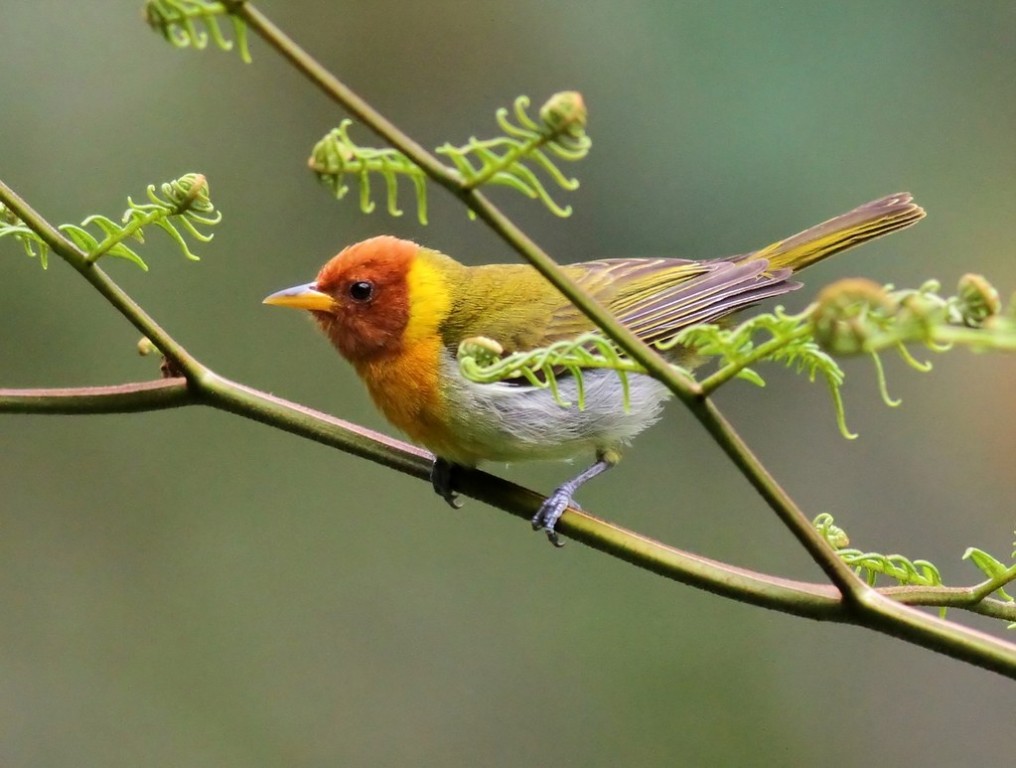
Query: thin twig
point(120, 398)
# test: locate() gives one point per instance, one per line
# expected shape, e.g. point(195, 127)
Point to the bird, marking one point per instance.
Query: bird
point(397, 311)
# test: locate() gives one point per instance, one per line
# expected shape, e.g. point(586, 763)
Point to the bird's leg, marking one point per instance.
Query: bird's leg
point(442, 477)
point(555, 504)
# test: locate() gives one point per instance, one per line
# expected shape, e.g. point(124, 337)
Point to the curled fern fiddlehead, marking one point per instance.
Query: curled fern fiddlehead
point(336, 156)
point(184, 205)
point(872, 564)
point(480, 360)
point(559, 134)
point(192, 23)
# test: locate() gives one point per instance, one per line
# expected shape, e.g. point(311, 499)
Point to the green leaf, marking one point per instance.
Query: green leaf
point(336, 156)
point(992, 568)
point(32, 244)
point(502, 160)
point(192, 23)
point(511, 160)
point(182, 208)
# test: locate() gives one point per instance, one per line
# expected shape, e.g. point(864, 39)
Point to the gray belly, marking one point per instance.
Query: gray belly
point(508, 422)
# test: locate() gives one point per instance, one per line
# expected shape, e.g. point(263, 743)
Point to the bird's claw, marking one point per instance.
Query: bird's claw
point(549, 513)
point(442, 478)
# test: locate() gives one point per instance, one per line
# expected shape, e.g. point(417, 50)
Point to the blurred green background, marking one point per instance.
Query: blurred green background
point(188, 588)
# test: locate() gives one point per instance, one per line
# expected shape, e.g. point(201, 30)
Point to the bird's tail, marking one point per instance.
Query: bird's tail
point(871, 220)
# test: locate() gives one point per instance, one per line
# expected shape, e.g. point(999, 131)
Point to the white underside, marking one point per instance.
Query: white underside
point(509, 422)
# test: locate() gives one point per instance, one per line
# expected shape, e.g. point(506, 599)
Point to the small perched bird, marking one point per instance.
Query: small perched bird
point(397, 311)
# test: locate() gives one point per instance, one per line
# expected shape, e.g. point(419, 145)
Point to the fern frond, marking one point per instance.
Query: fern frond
point(33, 245)
point(559, 134)
point(192, 23)
point(336, 156)
point(511, 160)
point(897, 567)
point(184, 204)
point(480, 360)
point(998, 572)
point(918, 573)
point(860, 317)
point(786, 339)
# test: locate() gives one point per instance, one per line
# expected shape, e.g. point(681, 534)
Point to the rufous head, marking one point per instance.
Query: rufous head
point(360, 298)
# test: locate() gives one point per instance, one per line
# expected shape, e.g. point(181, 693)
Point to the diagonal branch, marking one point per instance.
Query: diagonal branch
point(808, 600)
point(115, 295)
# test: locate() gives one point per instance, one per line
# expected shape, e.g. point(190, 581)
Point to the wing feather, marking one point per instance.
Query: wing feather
point(656, 298)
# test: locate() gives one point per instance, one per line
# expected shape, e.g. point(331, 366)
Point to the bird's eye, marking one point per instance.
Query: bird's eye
point(361, 290)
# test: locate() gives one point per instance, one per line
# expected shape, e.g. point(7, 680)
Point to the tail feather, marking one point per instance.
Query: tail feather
point(866, 222)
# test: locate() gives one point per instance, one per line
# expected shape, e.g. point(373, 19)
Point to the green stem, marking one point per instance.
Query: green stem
point(963, 598)
point(984, 589)
point(951, 334)
point(121, 398)
point(711, 383)
point(511, 156)
point(115, 295)
point(128, 230)
point(778, 499)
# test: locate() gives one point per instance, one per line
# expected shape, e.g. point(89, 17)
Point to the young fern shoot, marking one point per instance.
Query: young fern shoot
point(503, 161)
point(193, 23)
point(183, 208)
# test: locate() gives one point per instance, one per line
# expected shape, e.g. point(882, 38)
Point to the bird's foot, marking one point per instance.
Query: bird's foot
point(554, 506)
point(442, 477)
point(550, 512)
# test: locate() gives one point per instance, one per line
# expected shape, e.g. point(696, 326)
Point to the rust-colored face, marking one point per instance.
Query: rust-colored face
point(360, 298)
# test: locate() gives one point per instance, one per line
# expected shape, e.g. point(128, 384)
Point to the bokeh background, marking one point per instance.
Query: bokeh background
point(188, 588)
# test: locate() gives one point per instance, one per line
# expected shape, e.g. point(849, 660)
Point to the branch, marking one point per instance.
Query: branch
point(182, 360)
point(799, 598)
point(809, 600)
point(121, 398)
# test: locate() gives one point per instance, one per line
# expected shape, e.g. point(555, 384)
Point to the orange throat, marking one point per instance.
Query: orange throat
point(406, 388)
